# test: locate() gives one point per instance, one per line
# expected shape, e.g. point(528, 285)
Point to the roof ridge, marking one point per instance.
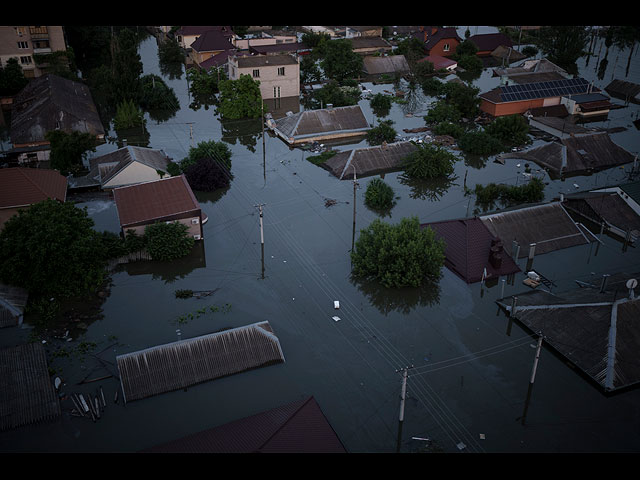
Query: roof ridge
point(286, 422)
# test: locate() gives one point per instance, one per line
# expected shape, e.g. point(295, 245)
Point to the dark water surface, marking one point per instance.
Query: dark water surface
point(470, 372)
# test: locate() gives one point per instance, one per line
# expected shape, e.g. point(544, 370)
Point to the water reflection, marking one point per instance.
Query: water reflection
point(401, 300)
point(245, 132)
point(137, 136)
point(428, 189)
point(171, 271)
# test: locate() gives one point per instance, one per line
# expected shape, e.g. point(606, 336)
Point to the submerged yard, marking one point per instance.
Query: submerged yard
point(469, 366)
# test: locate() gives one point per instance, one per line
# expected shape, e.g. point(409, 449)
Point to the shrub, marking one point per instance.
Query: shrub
point(448, 128)
point(530, 192)
point(384, 132)
point(429, 161)
point(380, 104)
point(379, 195)
point(510, 130)
point(128, 115)
point(207, 175)
point(399, 255)
point(480, 143)
point(168, 241)
point(442, 112)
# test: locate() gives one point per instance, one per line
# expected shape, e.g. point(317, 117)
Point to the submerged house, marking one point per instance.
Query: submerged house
point(576, 154)
point(167, 200)
point(126, 166)
point(627, 91)
point(50, 103)
point(298, 427)
point(325, 124)
point(13, 301)
point(472, 252)
point(486, 43)
point(188, 362)
point(369, 161)
point(21, 187)
point(594, 327)
point(389, 64)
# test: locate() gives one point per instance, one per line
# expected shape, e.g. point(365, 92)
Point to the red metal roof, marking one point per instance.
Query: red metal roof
point(25, 186)
point(298, 427)
point(469, 248)
point(146, 202)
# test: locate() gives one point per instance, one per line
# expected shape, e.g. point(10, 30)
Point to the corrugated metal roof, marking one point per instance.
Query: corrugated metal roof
point(312, 123)
point(25, 186)
point(298, 427)
point(188, 362)
point(369, 160)
point(27, 395)
point(549, 226)
point(389, 64)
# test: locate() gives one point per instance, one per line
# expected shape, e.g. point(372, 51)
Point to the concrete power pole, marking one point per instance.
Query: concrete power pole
point(261, 236)
point(403, 394)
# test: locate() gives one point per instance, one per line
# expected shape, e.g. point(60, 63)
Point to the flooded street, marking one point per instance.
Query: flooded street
point(467, 387)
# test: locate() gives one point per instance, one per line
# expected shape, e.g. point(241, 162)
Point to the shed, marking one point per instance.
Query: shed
point(472, 251)
point(549, 226)
point(27, 395)
point(298, 427)
point(577, 155)
point(369, 160)
point(12, 303)
point(184, 363)
point(320, 125)
point(596, 331)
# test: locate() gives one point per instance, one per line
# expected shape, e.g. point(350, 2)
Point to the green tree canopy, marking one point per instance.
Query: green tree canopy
point(127, 67)
point(12, 78)
point(400, 255)
point(240, 98)
point(563, 45)
point(218, 151)
point(168, 241)
point(340, 62)
point(384, 132)
point(379, 195)
point(429, 161)
point(68, 149)
point(51, 250)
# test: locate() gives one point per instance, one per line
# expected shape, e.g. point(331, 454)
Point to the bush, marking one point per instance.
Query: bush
point(442, 112)
point(128, 115)
point(480, 143)
point(207, 175)
point(398, 255)
point(510, 194)
point(511, 130)
point(429, 161)
point(379, 195)
point(384, 132)
point(168, 241)
point(380, 104)
point(448, 128)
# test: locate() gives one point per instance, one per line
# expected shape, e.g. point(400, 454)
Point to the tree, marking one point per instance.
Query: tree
point(480, 143)
point(429, 161)
point(12, 78)
point(340, 62)
point(156, 95)
point(309, 70)
point(511, 130)
point(563, 45)
point(442, 111)
point(126, 67)
point(398, 255)
point(463, 97)
point(67, 149)
point(335, 94)
point(380, 104)
point(128, 115)
point(379, 195)
point(240, 98)
point(218, 151)
point(384, 132)
point(168, 241)
point(207, 175)
point(51, 250)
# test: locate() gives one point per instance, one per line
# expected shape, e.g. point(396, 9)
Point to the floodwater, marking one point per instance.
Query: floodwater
point(467, 387)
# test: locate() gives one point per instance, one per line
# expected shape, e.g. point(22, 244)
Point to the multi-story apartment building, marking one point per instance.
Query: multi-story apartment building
point(23, 42)
point(278, 74)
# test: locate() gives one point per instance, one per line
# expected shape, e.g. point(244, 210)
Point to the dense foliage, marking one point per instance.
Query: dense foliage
point(563, 45)
point(240, 98)
point(511, 130)
point(128, 115)
point(68, 149)
point(442, 111)
point(218, 151)
point(429, 161)
point(339, 61)
point(384, 132)
point(12, 78)
point(207, 175)
point(168, 241)
point(156, 95)
point(336, 94)
point(398, 255)
point(379, 195)
point(51, 250)
point(380, 104)
point(508, 195)
point(479, 142)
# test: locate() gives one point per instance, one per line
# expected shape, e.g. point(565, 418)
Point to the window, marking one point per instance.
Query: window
point(256, 73)
point(446, 47)
point(20, 31)
point(25, 60)
point(41, 44)
point(281, 71)
point(276, 92)
point(23, 44)
point(195, 221)
point(196, 237)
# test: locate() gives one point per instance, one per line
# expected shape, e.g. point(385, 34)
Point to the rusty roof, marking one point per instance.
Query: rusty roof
point(468, 249)
point(26, 186)
point(147, 202)
point(369, 160)
point(298, 427)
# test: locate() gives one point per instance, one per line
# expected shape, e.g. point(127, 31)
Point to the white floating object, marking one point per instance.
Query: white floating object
point(337, 319)
point(461, 446)
point(336, 304)
point(576, 185)
point(57, 382)
point(482, 436)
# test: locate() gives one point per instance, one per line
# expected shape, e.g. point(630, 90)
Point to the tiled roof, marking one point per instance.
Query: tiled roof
point(490, 41)
point(26, 186)
point(212, 40)
point(298, 427)
point(151, 201)
point(468, 249)
point(438, 61)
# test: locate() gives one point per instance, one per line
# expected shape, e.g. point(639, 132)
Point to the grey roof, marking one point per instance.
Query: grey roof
point(597, 332)
point(608, 207)
point(549, 226)
point(27, 395)
point(587, 97)
point(624, 90)
point(252, 61)
point(313, 123)
point(369, 160)
point(632, 190)
point(389, 64)
point(188, 362)
point(50, 102)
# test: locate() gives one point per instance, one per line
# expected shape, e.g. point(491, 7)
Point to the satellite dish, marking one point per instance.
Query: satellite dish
point(632, 283)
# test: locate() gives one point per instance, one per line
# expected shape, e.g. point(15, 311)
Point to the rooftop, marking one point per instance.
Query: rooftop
point(26, 186)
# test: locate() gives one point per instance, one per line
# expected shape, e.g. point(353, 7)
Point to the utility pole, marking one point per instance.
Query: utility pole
point(190, 132)
point(533, 377)
point(355, 187)
point(264, 152)
point(403, 394)
point(261, 236)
